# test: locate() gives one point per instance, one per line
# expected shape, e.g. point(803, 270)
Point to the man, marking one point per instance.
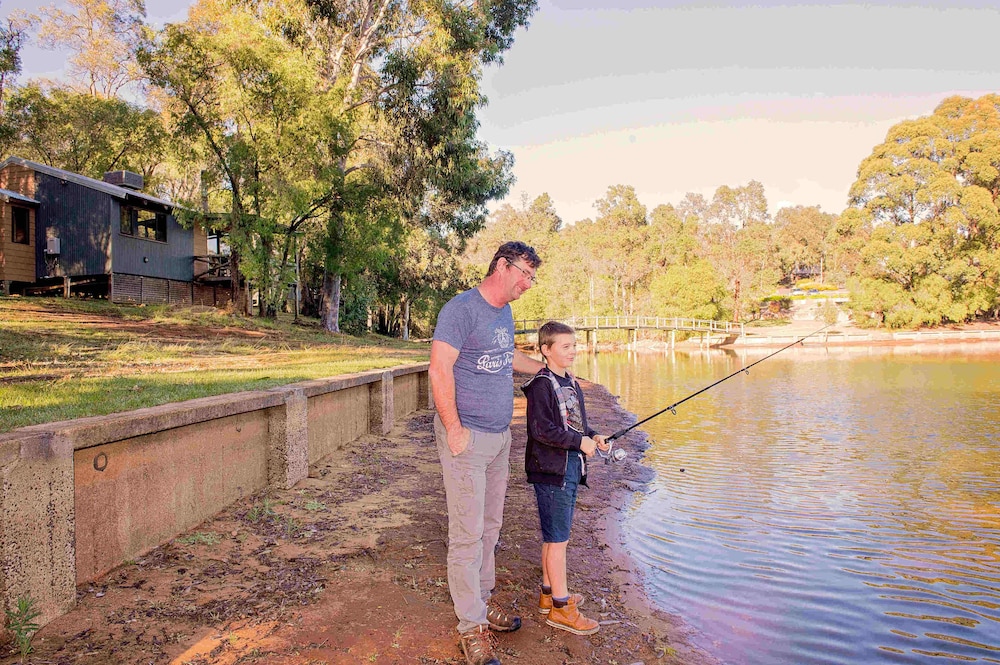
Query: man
point(472, 358)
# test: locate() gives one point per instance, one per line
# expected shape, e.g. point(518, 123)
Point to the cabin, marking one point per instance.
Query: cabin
point(66, 233)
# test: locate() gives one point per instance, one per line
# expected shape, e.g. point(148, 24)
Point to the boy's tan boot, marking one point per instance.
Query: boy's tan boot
point(569, 618)
point(545, 601)
point(477, 645)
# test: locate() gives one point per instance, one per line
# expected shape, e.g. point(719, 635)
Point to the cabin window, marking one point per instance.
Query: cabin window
point(145, 224)
point(126, 223)
point(217, 243)
point(19, 225)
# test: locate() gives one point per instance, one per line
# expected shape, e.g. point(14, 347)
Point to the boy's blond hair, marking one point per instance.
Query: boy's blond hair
point(547, 333)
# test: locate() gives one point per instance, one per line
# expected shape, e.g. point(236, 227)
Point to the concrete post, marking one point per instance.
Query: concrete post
point(288, 441)
point(381, 404)
point(37, 523)
point(425, 396)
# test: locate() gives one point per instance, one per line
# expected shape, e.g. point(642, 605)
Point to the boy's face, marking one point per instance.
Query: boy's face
point(561, 352)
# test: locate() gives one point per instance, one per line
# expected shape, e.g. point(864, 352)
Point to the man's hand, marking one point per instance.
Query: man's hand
point(588, 446)
point(458, 439)
point(602, 443)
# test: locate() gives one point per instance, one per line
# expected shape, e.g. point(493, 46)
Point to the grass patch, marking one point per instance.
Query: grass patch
point(261, 511)
point(312, 505)
point(65, 359)
point(199, 538)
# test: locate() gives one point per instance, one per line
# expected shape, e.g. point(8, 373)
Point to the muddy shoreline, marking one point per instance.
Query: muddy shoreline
point(349, 567)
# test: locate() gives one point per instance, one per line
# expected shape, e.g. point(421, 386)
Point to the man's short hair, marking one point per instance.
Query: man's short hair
point(547, 333)
point(512, 251)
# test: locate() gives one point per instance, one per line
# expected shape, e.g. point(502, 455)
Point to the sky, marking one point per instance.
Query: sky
point(676, 97)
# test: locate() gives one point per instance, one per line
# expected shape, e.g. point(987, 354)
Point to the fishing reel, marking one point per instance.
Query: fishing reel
point(613, 455)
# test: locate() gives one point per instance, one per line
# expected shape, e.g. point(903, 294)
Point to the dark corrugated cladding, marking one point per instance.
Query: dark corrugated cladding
point(80, 218)
point(87, 222)
point(172, 259)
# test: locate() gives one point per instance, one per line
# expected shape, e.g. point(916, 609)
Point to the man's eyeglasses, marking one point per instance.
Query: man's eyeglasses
point(534, 280)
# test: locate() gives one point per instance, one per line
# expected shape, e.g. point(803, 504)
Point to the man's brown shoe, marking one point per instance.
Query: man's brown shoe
point(569, 618)
point(500, 621)
point(545, 601)
point(477, 645)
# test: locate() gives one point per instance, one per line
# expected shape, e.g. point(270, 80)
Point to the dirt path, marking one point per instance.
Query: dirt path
point(349, 567)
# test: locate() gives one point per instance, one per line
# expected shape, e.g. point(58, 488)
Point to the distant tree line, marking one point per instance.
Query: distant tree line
point(917, 245)
point(340, 136)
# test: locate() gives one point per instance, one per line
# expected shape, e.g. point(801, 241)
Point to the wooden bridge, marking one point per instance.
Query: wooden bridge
point(634, 323)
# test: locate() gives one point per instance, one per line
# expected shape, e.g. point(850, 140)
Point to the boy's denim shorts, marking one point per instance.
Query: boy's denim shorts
point(556, 504)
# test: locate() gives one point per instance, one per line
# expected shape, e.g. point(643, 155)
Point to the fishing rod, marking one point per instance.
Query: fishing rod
point(673, 407)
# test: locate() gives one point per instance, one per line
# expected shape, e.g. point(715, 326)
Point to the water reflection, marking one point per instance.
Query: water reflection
point(838, 505)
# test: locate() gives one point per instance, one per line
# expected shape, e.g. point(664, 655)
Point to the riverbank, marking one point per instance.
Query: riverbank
point(349, 567)
point(816, 334)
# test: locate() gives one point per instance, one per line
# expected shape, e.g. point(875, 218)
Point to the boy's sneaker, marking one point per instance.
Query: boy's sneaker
point(569, 618)
point(500, 621)
point(545, 601)
point(477, 645)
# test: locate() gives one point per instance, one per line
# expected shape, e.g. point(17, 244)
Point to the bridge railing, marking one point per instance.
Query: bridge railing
point(635, 322)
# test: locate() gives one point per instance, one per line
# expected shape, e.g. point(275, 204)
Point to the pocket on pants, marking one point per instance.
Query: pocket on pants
point(468, 446)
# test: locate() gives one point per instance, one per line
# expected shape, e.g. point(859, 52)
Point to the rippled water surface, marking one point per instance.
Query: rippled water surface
point(836, 505)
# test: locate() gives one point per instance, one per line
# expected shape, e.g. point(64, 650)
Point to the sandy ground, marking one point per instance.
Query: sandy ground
point(349, 567)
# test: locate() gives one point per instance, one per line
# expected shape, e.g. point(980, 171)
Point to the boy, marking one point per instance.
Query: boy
point(558, 440)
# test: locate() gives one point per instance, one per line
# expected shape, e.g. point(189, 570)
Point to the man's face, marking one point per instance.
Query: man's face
point(520, 277)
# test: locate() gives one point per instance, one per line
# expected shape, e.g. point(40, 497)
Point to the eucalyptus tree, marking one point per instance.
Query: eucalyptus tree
point(240, 89)
point(83, 133)
point(347, 121)
point(739, 244)
point(12, 36)
point(414, 87)
point(622, 231)
point(692, 290)
point(801, 236)
point(102, 37)
point(928, 196)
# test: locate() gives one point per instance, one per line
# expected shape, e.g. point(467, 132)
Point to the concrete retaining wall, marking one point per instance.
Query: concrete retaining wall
point(80, 497)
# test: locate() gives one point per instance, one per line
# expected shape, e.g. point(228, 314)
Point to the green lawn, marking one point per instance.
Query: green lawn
point(69, 358)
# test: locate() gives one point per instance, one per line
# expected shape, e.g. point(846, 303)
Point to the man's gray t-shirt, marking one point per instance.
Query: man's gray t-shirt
point(484, 372)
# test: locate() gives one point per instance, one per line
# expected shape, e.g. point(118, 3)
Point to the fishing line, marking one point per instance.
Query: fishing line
point(673, 407)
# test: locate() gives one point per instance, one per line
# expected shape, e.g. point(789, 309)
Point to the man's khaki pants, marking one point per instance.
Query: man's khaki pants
point(475, 482)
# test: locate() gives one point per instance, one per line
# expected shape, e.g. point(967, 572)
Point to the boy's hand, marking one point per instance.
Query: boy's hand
point(601, 441)
point(588, 446)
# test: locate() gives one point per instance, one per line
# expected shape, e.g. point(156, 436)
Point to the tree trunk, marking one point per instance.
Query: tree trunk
point(406, 319)
point(330, 309)
point(736, 302)
point(239, 298)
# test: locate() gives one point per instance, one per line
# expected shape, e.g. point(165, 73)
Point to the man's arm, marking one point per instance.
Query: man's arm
point(442, 375)
point(522, 362)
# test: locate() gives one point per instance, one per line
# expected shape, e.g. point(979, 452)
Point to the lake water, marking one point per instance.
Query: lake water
point(837, 505)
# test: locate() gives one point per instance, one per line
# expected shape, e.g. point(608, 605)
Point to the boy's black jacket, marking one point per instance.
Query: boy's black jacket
point(549, 440)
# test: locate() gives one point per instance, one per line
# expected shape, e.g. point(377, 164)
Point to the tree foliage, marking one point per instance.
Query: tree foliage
point(82, 133)
point(927, 198)
point(102, 37)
